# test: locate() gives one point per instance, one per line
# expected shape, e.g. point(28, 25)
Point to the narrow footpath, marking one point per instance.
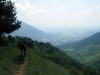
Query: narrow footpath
point(21, 69)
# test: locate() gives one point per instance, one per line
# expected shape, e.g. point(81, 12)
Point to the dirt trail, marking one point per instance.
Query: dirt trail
point(21, 69)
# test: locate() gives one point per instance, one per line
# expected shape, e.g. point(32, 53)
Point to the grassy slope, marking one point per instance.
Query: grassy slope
point(8, 60)
point(40, 66)
point(36, 65)
point(88, 55)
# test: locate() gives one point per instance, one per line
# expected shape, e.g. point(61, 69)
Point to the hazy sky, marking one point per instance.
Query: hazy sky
point(59, 15)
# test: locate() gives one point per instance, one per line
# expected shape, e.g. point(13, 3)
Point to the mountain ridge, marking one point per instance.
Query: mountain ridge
point(30, 31)
point(93, 39)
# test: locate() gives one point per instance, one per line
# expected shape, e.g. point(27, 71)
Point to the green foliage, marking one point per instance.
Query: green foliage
point(30, 43)
point(8, 60)
point(39, 66)
point(50, 52)
point(88, 55)
point(11, 39)
point(44, 59)
point(87, 51)
point(3, 40)
point(8, 19)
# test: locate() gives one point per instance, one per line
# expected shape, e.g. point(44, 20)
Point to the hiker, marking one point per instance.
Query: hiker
point(22, 46)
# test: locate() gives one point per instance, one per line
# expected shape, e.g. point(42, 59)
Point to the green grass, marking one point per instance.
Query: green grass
point(39, 66)
point(8, 60)
point(36, 65)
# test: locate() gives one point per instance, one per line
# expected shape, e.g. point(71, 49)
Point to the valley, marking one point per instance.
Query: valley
point(87, 51)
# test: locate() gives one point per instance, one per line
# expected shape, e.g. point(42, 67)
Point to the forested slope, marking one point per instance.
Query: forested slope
point(42, 59)
point(87, 51)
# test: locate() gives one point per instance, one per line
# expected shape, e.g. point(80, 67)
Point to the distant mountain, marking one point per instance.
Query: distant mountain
point(93, 39)
point(30, 31)
point(36, 34)
point(54, 38)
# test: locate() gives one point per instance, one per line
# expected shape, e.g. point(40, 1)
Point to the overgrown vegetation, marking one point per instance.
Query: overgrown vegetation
point(88, 55)
point(50, 52)
point(39, 66)
point(8, 19)
point(8, 60)
point(87, 51)
point(42, 58)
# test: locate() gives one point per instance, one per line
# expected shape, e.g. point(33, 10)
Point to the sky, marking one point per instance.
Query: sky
point(59, 15)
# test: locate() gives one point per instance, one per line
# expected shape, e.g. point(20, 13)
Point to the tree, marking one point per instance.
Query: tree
point(8, 18)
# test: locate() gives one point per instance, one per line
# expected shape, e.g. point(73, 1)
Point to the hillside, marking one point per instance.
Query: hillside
point(9, 62)
point(87, 51)
point(42, 59)
point(93, 39)
point(40, 66)
point(88, 55)
point(30, 31)
point(36, 65)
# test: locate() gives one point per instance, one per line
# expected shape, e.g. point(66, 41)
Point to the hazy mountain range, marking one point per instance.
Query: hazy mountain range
point(30, 31)
point(37, 34)
point(93, 39)
point(54, 38)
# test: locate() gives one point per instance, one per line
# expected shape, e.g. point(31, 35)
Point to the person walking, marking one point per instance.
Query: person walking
point(22, 46)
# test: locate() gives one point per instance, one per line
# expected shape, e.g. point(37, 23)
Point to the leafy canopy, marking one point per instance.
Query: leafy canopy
point(8, 18)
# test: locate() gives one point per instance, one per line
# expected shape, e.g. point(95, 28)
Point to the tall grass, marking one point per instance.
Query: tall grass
point(37, 65)
point(8, 60)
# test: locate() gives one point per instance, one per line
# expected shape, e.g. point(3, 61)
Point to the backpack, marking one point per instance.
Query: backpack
point(21, 43)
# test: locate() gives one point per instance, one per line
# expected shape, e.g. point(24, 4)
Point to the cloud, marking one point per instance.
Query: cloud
point(42, 16)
